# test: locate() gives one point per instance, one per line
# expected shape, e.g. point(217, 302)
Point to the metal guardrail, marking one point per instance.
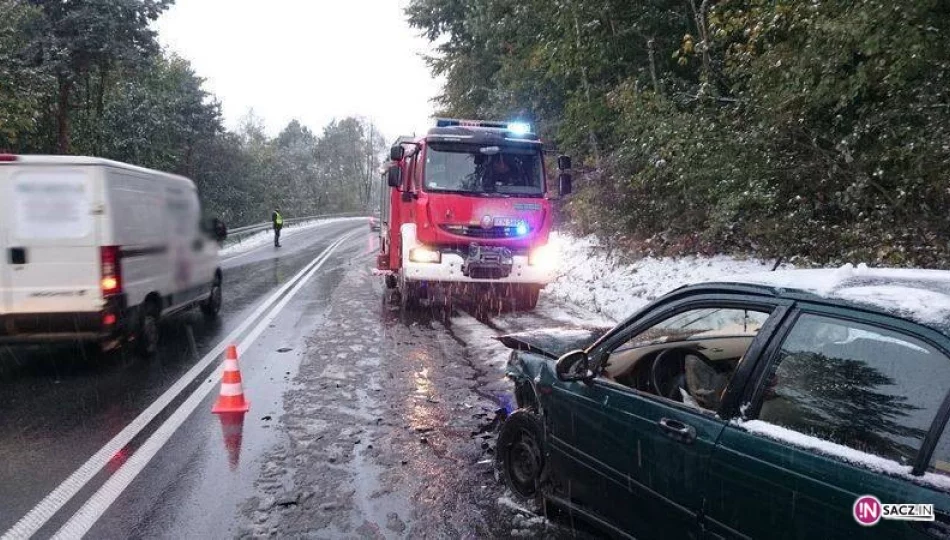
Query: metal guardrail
point(235, 235)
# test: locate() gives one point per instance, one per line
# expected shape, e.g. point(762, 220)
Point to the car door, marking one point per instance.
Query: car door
point(636, 459)
point(186, 244)
point(205, 251)
point(846, 406)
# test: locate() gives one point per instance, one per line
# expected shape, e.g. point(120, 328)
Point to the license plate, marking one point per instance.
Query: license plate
point(506, 222)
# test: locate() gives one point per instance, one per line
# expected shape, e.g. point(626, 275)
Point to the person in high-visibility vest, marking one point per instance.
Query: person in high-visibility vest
point(278, 225)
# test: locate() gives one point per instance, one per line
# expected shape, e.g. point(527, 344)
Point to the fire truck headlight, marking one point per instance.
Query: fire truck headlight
point(422, 254)
point(521, 228)
point(519, 128)
point(544, 257)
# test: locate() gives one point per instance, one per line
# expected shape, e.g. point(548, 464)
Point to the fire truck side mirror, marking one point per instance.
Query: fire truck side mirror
point(564, 184)
point(397, 152)
point(564, 162)
point(394, 177)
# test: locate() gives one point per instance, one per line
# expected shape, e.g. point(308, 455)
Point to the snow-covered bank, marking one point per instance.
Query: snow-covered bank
point(608, 285)
point(266, 237)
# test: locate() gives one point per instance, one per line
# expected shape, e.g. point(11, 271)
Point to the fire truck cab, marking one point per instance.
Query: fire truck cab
point(467, 209)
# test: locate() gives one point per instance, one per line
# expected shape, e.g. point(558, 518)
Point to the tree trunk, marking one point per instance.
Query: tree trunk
point(699, 16)
point(100, 106)
point(595, 147)
point(62, 116)
point(651, 50)
point(189, 152)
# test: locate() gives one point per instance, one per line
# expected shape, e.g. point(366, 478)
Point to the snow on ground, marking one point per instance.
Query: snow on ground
point(480, 341)
point(606, 284)
point(569, 314)
point(266, 236)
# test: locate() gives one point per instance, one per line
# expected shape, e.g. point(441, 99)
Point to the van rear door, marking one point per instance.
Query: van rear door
point(51, 262)
point(4, 246)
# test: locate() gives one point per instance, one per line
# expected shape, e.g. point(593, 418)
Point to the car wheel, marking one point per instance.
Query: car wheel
point(520, 454)
point(212, 306)
point(147, 334)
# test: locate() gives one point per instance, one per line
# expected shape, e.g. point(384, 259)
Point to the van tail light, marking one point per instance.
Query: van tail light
point(111, 282)
point(6, 158)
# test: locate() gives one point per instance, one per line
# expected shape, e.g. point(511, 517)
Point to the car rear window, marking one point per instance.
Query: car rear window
point(868, 388)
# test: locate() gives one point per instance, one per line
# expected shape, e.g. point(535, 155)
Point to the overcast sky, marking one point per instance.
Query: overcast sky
point(313, 60)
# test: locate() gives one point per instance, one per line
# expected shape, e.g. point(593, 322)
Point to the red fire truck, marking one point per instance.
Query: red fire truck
point(467, 211)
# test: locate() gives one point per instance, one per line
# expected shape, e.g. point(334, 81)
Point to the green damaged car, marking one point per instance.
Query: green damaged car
point(793, 404)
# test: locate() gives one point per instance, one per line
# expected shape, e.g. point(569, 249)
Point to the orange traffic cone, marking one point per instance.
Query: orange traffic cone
point(231, 399)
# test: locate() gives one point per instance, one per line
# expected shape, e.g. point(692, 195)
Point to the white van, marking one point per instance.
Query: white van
point(98, 251)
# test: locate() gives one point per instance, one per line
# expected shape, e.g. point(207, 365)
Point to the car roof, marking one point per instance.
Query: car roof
point(38, 159)
point(922, 296)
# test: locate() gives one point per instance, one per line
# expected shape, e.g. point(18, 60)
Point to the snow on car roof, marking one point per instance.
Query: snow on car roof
point(919, 295)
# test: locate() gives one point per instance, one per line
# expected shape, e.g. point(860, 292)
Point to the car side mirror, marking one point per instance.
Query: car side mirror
point(564, 182)
point(396, 153)
point(564, 162)
point(574, 366)
point(394, 177)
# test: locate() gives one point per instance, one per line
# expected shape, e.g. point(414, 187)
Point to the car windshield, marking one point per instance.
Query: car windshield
point(471, 168)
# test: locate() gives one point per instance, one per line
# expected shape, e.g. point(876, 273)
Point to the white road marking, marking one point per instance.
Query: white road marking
point(36, 518)
point(98, 503)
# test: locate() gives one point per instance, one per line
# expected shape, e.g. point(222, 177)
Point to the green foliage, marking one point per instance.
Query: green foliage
point(88, 77)
point(779, 128)
point(22, 85)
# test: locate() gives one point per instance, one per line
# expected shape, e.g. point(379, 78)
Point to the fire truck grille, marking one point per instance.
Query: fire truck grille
point(475, 231)
point(488, 272)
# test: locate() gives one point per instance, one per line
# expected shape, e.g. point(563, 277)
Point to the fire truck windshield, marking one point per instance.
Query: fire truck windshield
point(504, 171)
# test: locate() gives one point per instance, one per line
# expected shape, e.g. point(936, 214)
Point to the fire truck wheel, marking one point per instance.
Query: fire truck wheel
point(408, 296)
point(527, 296)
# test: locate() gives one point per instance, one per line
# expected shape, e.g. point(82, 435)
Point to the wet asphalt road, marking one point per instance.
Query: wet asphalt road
point(58, 405)
point(365, 422)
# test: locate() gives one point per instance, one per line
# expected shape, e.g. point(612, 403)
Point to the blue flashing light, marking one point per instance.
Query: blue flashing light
point(521, 228)
point(519, 128)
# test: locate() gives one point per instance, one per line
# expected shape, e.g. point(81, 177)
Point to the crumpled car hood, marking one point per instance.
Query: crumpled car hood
point(553, 342)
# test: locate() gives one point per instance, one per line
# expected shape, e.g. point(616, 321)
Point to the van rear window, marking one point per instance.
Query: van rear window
point(52, 204)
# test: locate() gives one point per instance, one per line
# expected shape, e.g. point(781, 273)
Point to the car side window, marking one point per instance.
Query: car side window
point(871, 389)
point(689, 357)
